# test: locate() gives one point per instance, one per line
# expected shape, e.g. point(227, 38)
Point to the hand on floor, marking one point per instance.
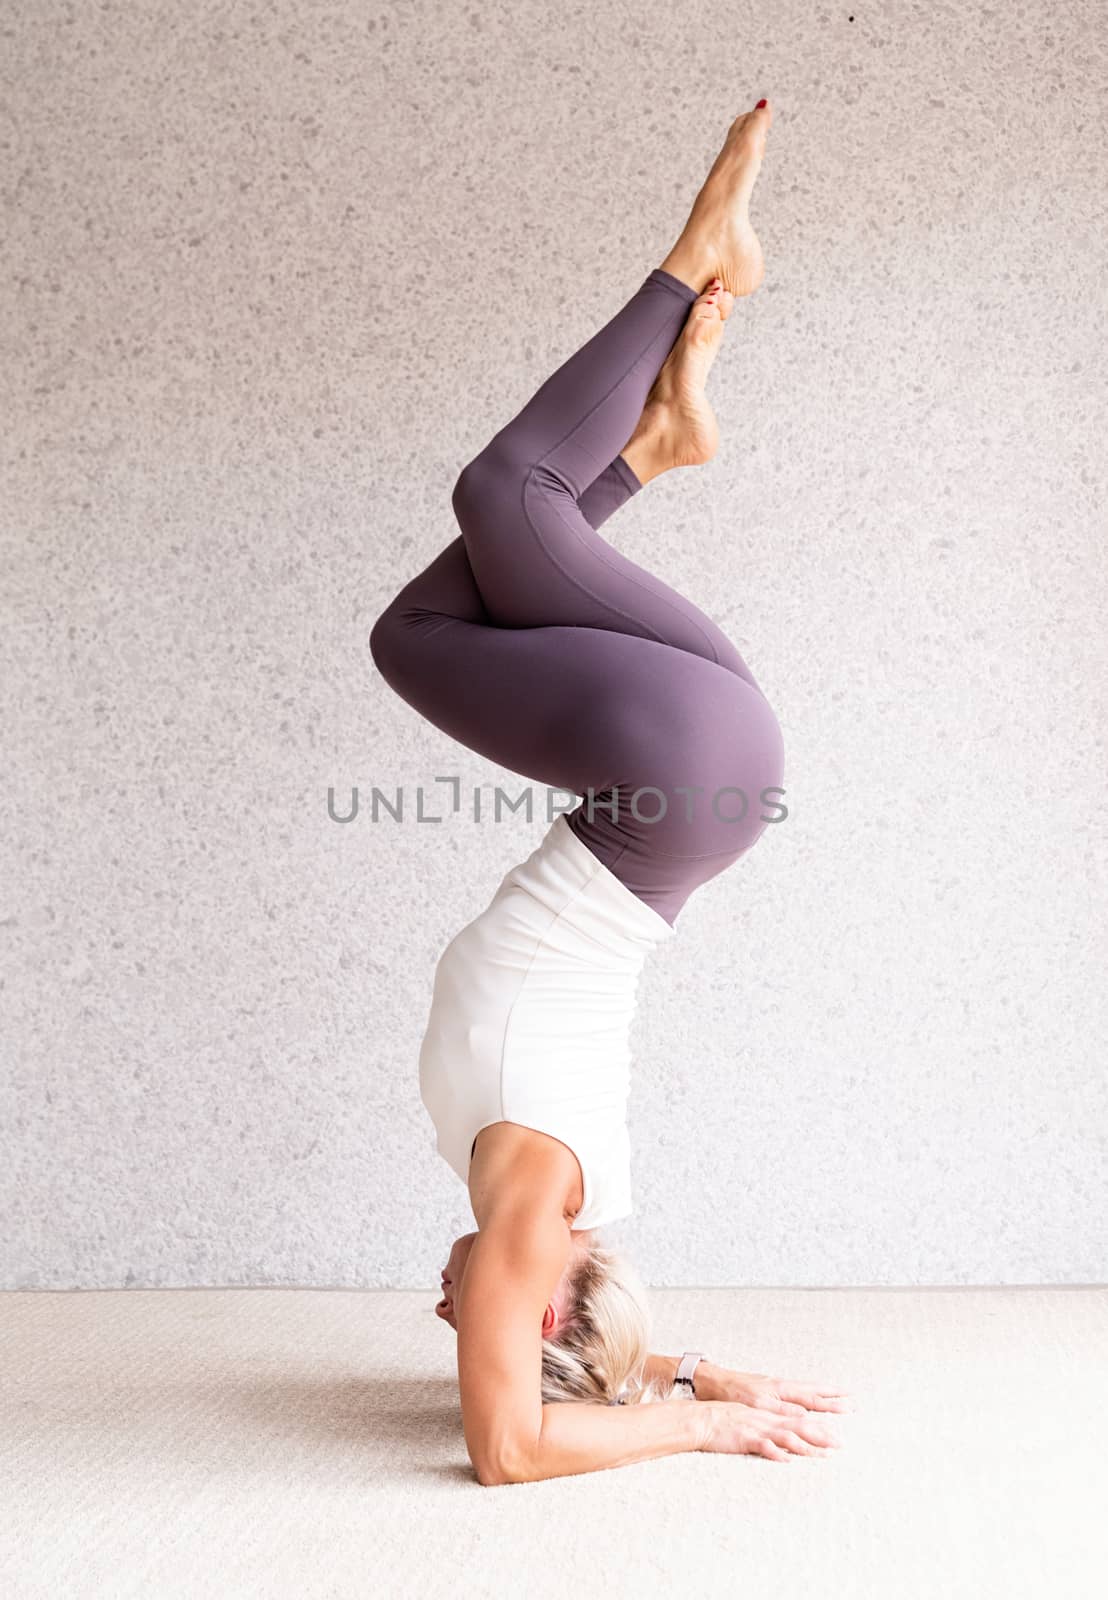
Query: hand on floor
point(785, 1395)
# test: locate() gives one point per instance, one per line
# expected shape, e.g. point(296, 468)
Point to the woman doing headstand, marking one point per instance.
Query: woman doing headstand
point(532, 641)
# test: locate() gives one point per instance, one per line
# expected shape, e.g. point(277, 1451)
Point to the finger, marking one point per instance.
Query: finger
point(766, 1414)
point(770, 1421)
point(772, 1451)
point(819, 1436)
point(815, 1399)
point(814, 1432)
point(800, 1445)
point(776, 1403)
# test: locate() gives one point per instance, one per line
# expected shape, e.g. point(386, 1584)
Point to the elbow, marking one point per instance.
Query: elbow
point(507, 1467)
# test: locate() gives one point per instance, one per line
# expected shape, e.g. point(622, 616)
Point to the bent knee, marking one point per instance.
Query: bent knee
point(389, 642)
point(493, 473)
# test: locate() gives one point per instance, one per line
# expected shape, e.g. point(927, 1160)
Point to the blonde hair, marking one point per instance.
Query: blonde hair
point(598, 1353)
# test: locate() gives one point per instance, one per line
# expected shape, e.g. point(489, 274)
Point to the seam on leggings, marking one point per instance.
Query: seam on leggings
point(674, 855)
point(582, 420)
point(627, 473)
point(598, 555)
point(704, 855)
point(577, 584)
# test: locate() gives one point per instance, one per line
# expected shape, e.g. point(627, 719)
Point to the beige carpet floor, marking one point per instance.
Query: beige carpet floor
point(297, 1443)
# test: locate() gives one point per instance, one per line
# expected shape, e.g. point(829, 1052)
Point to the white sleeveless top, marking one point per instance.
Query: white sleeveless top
point(531, 1015)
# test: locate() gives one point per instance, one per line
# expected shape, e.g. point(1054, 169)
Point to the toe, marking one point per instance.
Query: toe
point(705, 326)
point(709, 312)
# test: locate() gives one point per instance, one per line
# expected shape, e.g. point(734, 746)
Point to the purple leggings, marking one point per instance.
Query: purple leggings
point(533, 642)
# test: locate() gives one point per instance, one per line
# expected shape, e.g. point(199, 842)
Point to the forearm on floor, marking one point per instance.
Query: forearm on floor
point(580, 1437)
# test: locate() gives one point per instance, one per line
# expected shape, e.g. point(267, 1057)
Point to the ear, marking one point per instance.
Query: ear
point(549, 1318)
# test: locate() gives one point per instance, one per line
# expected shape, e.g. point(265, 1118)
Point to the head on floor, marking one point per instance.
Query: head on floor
point(596, 1325)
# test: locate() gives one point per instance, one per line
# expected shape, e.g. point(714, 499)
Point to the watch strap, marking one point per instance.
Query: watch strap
point(683, 1382)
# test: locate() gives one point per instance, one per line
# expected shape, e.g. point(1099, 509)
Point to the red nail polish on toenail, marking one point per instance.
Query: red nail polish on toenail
point(760, 104)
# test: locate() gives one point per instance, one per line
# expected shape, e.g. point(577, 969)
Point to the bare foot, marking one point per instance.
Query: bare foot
point(678, 426)
point(718, 239)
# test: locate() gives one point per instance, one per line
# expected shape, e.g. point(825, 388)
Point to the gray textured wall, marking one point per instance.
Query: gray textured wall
point(270, 275)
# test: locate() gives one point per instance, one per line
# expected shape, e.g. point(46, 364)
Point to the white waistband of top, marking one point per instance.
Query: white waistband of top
point(563, 874)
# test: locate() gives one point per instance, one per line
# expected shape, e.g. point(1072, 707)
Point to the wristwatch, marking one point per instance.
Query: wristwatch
point(683, 1382)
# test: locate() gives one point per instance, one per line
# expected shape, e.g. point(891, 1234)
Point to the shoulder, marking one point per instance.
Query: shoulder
point(518, 1169)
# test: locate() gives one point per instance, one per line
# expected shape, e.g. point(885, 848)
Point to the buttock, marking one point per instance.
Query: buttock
point(694, 762)
point(696, 776)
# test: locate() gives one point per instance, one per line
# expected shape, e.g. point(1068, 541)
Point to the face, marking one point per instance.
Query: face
point(452, 1277)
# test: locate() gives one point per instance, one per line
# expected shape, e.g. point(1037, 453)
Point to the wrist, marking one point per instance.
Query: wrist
point(662, 1369)
point(702, 1421)
point(707, 1380)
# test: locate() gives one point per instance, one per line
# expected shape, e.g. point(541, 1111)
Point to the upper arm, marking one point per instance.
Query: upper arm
point(513, 1270)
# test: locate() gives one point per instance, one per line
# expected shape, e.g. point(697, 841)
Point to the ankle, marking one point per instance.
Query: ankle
point(689, 261)
point(647, 453)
